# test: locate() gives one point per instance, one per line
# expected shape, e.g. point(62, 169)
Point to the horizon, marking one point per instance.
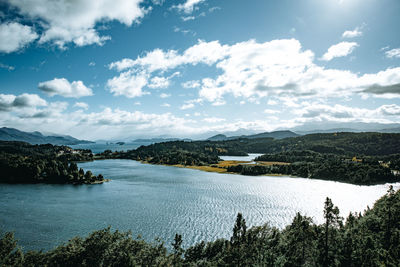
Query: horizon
point(144, 69)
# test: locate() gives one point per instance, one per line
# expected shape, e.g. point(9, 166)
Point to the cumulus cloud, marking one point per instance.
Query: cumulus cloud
point(12, 102)
point(278, 68)
point(187, 106)
point(164, 95)
point(393, 53)
point(341, 113)
point(341, 49)
point(137, 72)
point(159, 82)
point(188, 6)
point(352, 34)
point(271, 111)
point(159, 60)
point(75, 21)
point(82, 105)
point(213, 119)
point(15, 36)
point(391, 110)
point(129, 84)
point(64, 88)
point(191, 84)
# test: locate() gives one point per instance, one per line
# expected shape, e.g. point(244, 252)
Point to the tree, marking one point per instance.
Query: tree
point(178, 250)
point(297, 241)
point(332, 220)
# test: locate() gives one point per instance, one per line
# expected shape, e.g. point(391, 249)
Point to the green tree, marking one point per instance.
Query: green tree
point(332, 220)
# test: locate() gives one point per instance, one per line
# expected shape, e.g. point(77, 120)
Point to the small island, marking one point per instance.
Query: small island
point(22, 162)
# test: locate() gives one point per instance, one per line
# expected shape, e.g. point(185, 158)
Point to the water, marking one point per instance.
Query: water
point(100, 147)
point(250, 157)
point(159, 201)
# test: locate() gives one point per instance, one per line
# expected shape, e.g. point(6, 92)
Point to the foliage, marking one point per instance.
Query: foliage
point(24, 163)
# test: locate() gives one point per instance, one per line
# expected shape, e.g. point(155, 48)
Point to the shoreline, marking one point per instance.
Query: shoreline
point(222, 167)
point(221, 170)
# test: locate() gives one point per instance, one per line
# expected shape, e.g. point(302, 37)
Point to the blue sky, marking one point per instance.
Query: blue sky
point(126, 69)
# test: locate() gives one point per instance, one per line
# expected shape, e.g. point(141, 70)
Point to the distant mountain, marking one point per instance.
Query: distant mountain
point(218, 137)
point(356, 127)
point(11, 134)
point(159, 140)
point(390, 130)
point(275, 135)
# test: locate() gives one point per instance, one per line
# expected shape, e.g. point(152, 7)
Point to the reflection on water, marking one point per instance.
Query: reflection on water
point(159, 201)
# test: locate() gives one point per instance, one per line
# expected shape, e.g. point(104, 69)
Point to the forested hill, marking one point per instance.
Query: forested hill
point(21, 162)
point(368, 144)
point(358, 158)
point(351, 144)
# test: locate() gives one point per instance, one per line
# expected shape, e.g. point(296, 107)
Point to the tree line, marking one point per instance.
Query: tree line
point(24, 163)
point(310, 164)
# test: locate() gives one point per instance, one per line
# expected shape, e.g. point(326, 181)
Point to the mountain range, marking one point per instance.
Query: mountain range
point(11, 134)
point(274, 134)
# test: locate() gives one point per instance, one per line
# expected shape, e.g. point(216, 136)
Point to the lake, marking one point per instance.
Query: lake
point(159, 201)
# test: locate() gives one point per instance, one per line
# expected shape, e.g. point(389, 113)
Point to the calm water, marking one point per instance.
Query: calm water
point(250, 157)
point(100, 147)
point(159, 201)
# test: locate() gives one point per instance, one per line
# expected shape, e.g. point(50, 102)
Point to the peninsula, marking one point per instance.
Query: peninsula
point(357, 158)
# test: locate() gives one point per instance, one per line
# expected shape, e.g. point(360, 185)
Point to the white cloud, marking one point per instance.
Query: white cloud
point(75, 21)
point(340, 113)
point(159, 82)
point(158, 60)
point(15, 36)
point(36, 114)
point(82, 105)
point(7, 67)
point(64, 88)
point(166, 105)
point(164, 95)
point(191, 84)
point(271, 111)
point(13, 102)
point(393, 53)
point(187, 18)
point(341, 49)
point(272, 102)
point(213, 119)
point(392, 109)
point(352, 34)
point(92, 64)
point(187, 106)
point(251, 70)
point(189, 6)
point(219, 102)
point(162, 82)
point(129, 84)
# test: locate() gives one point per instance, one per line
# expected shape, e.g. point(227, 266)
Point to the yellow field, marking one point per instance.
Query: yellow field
point(222, 166)
point(269, 163)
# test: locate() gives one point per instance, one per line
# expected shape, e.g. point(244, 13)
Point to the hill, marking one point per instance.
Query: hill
point(11, 134)
point(274, 134)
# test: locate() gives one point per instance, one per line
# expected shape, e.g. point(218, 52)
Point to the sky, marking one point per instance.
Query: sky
point(110, 69)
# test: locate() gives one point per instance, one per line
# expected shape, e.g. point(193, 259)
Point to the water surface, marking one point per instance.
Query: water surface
point(159, 201)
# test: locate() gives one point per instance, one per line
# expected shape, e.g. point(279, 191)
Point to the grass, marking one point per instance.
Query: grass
point(222, 166)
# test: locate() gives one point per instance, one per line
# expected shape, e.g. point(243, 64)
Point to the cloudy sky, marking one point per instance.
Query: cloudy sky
point(134, 68)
